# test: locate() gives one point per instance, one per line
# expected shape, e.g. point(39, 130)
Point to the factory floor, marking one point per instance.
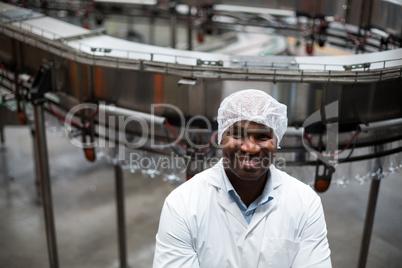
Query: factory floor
point(85, 212)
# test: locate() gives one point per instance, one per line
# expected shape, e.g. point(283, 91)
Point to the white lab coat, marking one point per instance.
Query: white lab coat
point(201, 226)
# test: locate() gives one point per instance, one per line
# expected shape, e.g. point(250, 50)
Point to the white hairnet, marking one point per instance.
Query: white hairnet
point(252, 105)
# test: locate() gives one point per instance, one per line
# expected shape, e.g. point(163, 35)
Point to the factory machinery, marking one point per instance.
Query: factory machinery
point(117, 98)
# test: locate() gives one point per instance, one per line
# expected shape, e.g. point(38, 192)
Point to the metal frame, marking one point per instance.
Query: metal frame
point(43, 169)
point(121, 219)
point(370, 213)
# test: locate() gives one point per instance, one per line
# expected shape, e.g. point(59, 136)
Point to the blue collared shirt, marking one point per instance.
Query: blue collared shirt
point(248, 212)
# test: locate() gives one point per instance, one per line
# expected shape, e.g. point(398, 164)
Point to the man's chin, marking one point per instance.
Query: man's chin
point(249, 174)
point(252, 166)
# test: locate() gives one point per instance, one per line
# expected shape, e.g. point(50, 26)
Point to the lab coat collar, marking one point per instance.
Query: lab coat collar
point(217, 181)
point(229, 204)
point(276, 177)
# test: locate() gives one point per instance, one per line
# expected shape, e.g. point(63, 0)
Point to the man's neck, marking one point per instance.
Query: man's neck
point(249, 190)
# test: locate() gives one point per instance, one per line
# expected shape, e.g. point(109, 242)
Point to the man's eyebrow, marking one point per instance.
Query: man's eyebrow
point(236, 127)
point(254, 130)
point(260, 130)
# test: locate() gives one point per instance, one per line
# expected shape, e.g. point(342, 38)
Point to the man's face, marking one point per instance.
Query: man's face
point(248, 150)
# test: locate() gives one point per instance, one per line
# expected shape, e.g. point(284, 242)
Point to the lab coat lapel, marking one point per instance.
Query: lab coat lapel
point(231, 207)
point(224, 200)
point(262, 211)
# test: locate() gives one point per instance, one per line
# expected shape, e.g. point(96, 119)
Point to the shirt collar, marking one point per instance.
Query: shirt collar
point(262, 199)
point(216, 180)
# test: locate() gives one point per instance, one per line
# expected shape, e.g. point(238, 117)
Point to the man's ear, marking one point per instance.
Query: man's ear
point(221, 145)
point(223, 142)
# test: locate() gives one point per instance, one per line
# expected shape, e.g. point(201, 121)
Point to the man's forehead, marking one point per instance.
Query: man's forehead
point(250, 126)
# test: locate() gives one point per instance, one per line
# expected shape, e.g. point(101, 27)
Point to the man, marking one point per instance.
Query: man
point(243, 212)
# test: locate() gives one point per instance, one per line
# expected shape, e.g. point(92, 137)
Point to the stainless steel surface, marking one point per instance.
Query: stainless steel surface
point(43, 169)
point(367, 103)
point(6, 50)
point(387, 15)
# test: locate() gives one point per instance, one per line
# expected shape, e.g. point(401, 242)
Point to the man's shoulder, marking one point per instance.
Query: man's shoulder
point(198, 184)
point(206, 177)
point(296, 197)
point(294, 185)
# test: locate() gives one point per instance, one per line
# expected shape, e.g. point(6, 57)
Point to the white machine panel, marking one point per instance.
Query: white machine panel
point(114, 47)
point(50, 28)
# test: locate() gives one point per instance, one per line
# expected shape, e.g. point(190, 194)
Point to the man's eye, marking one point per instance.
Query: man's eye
point(237, 135)
point(264, 137)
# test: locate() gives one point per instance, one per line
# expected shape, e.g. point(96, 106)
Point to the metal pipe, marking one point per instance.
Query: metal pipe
point(293, 131)
point(381, 124)
point(43, 168)
point(17, 54)
point(121, 222)
point(347, 11)
point(361, 19)
point(189, 30)
point(116, 111)
point(256, 10)
point(152, 31)
point(36, 167)
point(370, 213)
point(2, 135)
point(345, 160)
point(365, 14)
point(173, 21)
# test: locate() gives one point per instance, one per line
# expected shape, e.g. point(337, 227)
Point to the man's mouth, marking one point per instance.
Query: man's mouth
point(249, 163)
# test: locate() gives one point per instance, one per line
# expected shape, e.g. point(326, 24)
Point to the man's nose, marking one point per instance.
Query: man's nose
point(250, 146)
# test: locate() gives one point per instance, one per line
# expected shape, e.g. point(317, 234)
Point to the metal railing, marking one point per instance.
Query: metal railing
point(186, 66)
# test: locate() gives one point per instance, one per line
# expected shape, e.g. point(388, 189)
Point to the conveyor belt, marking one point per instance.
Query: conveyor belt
point(70, 42)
